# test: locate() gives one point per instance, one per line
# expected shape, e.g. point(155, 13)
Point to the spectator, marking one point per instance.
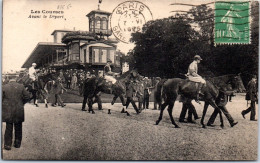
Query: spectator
point(13, 100)
point(58, 90)
point(74, 81)
point(147, 93)
point(129, 95)
point(251, 95)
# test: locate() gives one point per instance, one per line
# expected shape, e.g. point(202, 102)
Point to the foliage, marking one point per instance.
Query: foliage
point(166, 47)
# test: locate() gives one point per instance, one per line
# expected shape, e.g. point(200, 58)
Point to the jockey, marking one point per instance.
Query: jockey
point(108, 74)
point(32, 72)
point(33, 75)
point(194, 76)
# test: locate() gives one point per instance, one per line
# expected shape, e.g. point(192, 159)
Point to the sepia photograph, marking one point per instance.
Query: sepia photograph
point(130, 80)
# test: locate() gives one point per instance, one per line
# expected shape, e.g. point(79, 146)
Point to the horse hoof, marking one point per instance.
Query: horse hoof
point(127, 113)
point(222, 126)
point(46, 106)
point(204, 126)
point(157, 122)
point(176, 126)
point(123, 111)
point(93, 112)
point(83, 110)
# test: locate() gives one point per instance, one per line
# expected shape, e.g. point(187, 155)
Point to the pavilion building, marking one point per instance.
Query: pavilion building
point(89, 50)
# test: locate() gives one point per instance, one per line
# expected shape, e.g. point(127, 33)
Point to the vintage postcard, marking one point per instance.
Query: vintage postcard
point(130, 80)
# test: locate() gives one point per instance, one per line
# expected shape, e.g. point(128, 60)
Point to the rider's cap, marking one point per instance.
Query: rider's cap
point(33, 64)
point(254, 76)
point(197, 57)
point(109, 61)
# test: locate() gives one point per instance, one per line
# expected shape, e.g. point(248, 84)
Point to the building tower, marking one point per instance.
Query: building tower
point(99, 23)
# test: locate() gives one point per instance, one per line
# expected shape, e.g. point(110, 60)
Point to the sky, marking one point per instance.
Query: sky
point(21, 34)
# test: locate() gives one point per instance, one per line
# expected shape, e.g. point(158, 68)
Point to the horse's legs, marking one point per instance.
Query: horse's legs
point(170, 113)
point(84, 103)
point(98, 100)
point(206, 105)
point(163, 106)
point(46, 103)
point(122, 100)
point(213, 104)
point(114, 99)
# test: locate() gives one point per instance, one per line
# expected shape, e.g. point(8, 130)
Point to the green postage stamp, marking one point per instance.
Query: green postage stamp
point(232, 22)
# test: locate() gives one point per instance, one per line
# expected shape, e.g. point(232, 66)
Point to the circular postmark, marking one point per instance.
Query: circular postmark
point(129, 17)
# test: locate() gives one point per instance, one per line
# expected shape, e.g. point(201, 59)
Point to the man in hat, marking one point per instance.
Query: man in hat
point(252, 95)
point(13, 99)
point(108, 74)
point(194, 76)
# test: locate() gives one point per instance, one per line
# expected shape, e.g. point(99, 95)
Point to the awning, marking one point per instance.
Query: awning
point(42, 50)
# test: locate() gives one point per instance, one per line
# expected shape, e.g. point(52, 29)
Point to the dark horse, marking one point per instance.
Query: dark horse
point(171, 88)
point(40, 84)
point(93, 86)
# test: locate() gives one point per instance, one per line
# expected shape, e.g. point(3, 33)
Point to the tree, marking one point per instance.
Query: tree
point(160, 48)
point(165, 47)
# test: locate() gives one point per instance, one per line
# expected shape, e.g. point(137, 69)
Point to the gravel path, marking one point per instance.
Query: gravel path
point(57, 133)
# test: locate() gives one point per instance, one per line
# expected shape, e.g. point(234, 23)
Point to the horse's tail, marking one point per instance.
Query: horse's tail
point(158, 92)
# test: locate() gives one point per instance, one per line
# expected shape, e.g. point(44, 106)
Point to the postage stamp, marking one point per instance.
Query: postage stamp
point(232, 22)
point(129, 17)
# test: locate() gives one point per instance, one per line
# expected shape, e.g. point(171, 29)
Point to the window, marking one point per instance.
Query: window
point(98, 22)
point(96, 55)
point(92, 25)
point(104, 56)
point(103, 23)
point(112, 55)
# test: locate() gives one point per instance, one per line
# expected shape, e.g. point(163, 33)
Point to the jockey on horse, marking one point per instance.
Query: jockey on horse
point(108, 74)
point(32, 75)
point(116, 85)
point(194, 76)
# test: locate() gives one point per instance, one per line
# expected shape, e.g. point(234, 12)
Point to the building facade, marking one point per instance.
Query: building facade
point(89, 50)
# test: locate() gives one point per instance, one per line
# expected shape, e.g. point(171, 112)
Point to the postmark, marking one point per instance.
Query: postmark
point(129, 17)
point(232, 22)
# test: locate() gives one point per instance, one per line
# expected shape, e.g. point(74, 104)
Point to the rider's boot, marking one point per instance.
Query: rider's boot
point(199, 93)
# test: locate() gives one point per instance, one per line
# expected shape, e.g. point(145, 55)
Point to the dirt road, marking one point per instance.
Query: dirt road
point(67, 133)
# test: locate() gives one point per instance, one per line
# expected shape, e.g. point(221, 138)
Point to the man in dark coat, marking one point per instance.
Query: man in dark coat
point(147, 93)
point(252, 95)
point(130, 94)
point(221, 101)
point(57, 91)
point(13, 100)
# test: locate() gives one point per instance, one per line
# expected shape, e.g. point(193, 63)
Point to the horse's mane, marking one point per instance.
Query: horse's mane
point(221, 81)
point(127, 75)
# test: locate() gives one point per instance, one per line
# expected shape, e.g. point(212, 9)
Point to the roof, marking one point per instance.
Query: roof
point(78, 35)
point(42, 49)
point(60, 30)
point(99, 12)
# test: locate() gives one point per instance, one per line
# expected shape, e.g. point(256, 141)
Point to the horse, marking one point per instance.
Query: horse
point(93, 86)
point(169, 90)
point(41, 86)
